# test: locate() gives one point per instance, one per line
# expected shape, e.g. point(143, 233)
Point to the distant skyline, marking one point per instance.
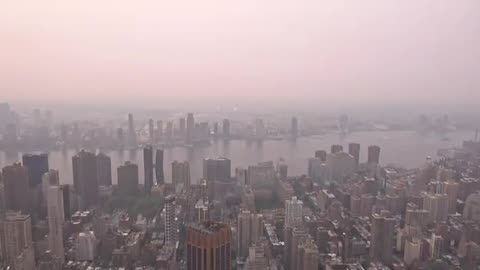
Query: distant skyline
point(364, 53)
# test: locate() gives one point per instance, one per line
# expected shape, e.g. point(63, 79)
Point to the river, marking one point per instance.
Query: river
point(405, 148)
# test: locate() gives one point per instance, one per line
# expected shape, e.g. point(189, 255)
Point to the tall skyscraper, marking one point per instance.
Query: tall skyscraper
point(66, 201)
point(190, 128)
point(85, 182)
point(437, 205)
point(216, 170)
point(450, 188)
point(159, 167)
point(120, 138)
point(381, 242)
point(181, 173)
point(16, 240)
point(374, 154)
point(293, 238)
point(294, 127)
point(336, 148)
point(51, 178)
point(17, 188)
point(354, 151)
point(148, 168)
point(128, 178)
point(159, 130)
point(37, 165)
point(151, 131)
point(132, 134)
point(209, 246)
point(171, 226)
point(293, 212)
point(104, 170)
point(3, 206)
point(321, 154)
point(249, 231)
point(181, 126)
point(56, 219)
point(226, 128)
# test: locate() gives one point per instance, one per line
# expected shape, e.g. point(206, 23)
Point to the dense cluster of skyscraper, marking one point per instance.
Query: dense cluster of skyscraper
point(343, 214)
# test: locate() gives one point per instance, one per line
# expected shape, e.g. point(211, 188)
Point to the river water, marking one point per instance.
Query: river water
point(404, 148)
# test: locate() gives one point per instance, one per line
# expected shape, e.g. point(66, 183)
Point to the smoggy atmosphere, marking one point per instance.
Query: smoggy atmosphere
point(362, 52)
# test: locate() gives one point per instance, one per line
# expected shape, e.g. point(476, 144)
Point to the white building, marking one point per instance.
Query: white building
point(293, 212)
point(85, 246)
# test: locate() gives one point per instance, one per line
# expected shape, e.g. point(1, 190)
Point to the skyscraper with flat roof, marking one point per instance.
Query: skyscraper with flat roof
point(293, 212)
point(190, 128)
point(354, 151)
point(209, 246)
point(216, 170)
point(132, 134)
point(56, 219)
point(104, 170)
point(85, 179)
point(374, 154)
point(151, 131)
point(128, 178)
point(37, 165)
point(148, 168)
point(171, 226)
point(17, 188)
point(159, 167)
point(381, 241)
point(181, 173)
point(336, 148)
point(16, 240)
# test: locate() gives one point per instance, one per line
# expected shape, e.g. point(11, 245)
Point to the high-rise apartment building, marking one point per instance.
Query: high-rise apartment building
point(132, 134)
point(450, 188)
point(381, 241)
point(16, 240)
point(354, 151)
point(190, 128)
point(322, 155)
point(437, 206)
point(293, 212)
point(56, 219)
point(209, 246)
point(104, 170)
point(373, 154)
point(249, 231)
point(216, 170)
point(171, 226)
point(159, 167)
point(128, 178)
point(336, 148)
point(181, 173)
point(85, 182)
point(37, 165)
point(148, 168)
point(17, 188)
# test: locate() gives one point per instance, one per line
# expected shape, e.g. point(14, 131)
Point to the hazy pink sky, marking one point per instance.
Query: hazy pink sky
point(363, 51)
